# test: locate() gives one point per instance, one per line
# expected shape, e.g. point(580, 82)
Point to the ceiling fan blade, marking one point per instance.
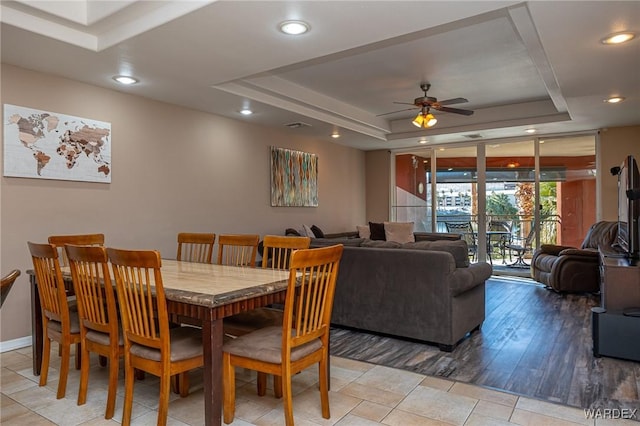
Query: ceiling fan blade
point(453, 101)
point(393, 112)
point(404, 103)
point(453, 110)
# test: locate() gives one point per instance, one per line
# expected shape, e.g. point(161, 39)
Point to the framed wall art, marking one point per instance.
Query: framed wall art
point(294, 178)
point(48, 145)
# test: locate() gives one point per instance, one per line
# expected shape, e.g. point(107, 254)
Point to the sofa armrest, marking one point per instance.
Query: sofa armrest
point(467, 278)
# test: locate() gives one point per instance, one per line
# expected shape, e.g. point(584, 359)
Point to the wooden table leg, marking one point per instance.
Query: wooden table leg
point(36, 327)
point(212, 334)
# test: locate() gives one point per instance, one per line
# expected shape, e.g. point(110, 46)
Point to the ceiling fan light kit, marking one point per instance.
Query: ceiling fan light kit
point(425, 118)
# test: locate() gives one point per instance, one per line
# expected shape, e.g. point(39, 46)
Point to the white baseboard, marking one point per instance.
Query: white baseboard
point(10, 345)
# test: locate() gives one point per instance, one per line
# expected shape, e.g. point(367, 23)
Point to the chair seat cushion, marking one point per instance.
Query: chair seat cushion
point(266, 345)
point(103, 338)
point(186, 343)
point(56, 326)
point(246, 322)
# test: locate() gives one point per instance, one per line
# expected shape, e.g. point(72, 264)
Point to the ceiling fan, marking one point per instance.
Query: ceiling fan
point(426, 103)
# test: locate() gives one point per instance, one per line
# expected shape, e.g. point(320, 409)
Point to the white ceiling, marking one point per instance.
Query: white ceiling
point(534, 64)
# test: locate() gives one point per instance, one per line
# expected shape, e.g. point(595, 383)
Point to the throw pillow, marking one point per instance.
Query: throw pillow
point(292, 232)
point(363, 231)
point(306, 231)
point(317, 232)
point(400, 232)
point(377, 231)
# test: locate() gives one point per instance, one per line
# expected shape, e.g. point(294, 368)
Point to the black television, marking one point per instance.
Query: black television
point(629, 208)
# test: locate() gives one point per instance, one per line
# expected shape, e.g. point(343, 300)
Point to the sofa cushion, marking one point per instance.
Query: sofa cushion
point(306, 231)
point(380, 244)
point(400, 232)
point(458, 249)
point(377, 231)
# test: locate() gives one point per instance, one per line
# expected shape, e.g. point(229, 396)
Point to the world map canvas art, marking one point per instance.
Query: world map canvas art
point(294, 178)
point(48, 145)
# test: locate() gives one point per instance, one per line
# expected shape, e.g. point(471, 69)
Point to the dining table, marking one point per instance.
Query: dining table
point(199, 293)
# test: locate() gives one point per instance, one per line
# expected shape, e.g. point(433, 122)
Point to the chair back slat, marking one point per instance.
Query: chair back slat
point(309, 301)
point(93, 287)
point(141, 297)
point(196, 247)
point(277, 250)
point(58, 241)
point(51, 289)
point(238, 250)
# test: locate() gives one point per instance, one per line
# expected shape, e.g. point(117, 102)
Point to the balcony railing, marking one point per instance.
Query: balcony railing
point(517, 227)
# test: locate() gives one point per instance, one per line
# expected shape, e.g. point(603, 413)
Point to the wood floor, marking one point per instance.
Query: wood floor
point(534, 342)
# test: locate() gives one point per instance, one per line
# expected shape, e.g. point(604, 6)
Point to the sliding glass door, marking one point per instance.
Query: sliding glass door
point(505, 198)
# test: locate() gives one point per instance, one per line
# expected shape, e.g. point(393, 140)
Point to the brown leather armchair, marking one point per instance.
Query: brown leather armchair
point(571, 269)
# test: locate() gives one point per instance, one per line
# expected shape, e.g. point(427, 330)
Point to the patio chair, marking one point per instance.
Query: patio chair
point(520, 247)
point(467, 233)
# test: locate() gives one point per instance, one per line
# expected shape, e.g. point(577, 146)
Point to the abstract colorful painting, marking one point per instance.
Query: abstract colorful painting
point(294, 178)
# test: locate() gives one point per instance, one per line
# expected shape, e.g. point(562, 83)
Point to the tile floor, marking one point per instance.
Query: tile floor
point(361, 394)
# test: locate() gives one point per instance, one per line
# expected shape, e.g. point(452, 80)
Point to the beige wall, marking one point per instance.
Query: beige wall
point(174, 169)
point(378, 178)
point(615, 144)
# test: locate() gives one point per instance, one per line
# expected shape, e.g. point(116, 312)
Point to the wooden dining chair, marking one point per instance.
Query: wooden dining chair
point(303, 338)
point(276, 255)
point(6, 284)
point(58, 241)
point(149, 344)
point(238, 249)
point(277, 250)
point(97, 311)
point(195, 247)
point(59, 323)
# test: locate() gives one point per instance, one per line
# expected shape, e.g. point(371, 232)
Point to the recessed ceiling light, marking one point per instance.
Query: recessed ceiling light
point(423, 141)
point(335, 135)
point(246, 111)
point(530, 131)
point(294, 27)
point(618, 38)
point(614, 99)
point(125, 79)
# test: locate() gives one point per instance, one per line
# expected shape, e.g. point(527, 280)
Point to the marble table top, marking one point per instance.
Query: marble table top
point(213, 285)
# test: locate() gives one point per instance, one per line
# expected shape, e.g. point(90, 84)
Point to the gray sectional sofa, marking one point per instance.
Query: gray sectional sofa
point(425, 290)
